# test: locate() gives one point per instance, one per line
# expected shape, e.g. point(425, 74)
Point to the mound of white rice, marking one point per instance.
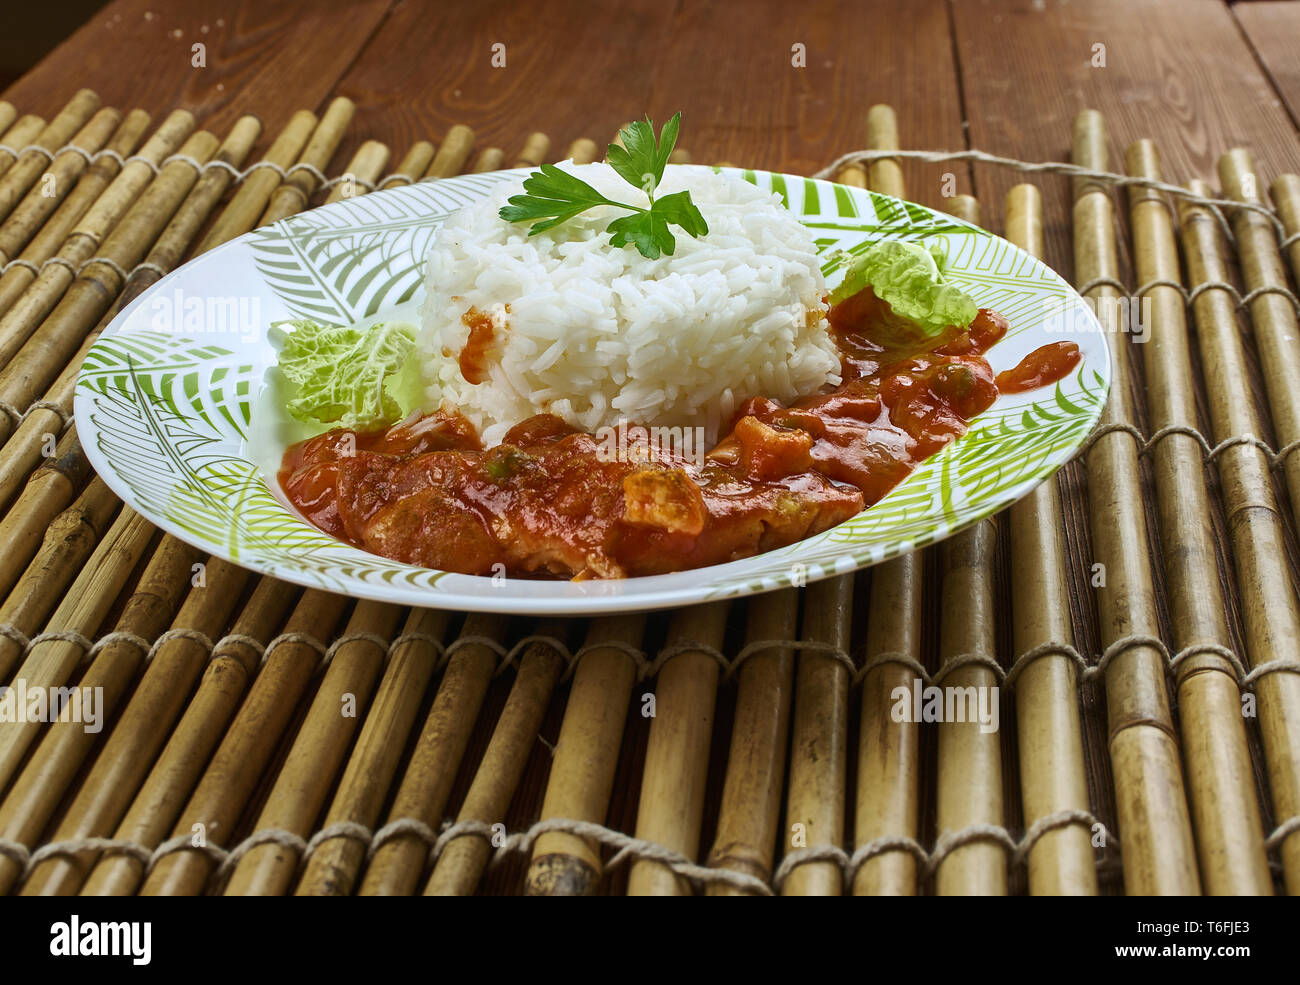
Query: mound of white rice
point(597, 334)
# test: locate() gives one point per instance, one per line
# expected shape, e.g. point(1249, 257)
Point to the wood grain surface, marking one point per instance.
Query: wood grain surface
point(1273, 30)
point(265, 57)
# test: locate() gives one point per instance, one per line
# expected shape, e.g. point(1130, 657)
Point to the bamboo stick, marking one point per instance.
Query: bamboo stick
point(586, 755)
point(750, 812)
point(180, 232)
point(41, 344)
point(141, 732)
point(295, 192)
point(216, 803)
point(332, 869)
point(489, 159)
point(19, 132)
point(53, 766)
point(130, 238)
point(886, 174)
point(58, 180)
point(819, 739)
point(37, 347)
point(453, 153)
point(92, 186)
point(676, 770)
point(1270, 617)
point(964, 207)
point(22, 451)
point(7, 116)
point(51, 488)
point(969, 757)
point(534, 151)
point(27, 445)
point(1049, 735)
point(254, 192)
point(419, 157)
point(1220, 783)
point(155, 806)
point(367, 165)
point(1277, 332)
point(22, 174)
point(461, 864)
point(889, 751)
point(398, 865)
point(18, 136)
point(583, 151)
point(69, 541)
point(852, 174)
point(1159, 850)
point(318, 751)
point(96, 177)
point(82, 610)
point(1285, 192)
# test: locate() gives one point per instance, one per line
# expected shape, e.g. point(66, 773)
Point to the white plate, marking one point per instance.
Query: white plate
point(173, 412)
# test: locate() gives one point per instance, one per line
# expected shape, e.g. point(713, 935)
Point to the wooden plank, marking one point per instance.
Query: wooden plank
point(571, 69)
point(1273, 30)
point(266, 57)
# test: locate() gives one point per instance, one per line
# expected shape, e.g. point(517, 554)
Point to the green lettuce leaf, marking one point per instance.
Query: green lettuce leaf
point(347, 376)
point(909, 278)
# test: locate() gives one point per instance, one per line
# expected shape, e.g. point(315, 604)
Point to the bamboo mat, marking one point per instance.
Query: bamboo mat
point(1137, 612)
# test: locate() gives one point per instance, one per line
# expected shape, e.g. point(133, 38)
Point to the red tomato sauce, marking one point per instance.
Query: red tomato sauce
point(547, 503)
point(1042, 367)
point(474, 358)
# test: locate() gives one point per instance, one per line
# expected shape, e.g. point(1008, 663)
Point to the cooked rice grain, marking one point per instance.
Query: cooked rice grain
point(598, 335)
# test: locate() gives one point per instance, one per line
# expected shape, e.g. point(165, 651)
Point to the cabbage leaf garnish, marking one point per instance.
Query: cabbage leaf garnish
point(910, 279)
point(347, 376)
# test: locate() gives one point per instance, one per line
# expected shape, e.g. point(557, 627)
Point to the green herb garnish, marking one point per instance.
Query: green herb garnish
point(555, 196)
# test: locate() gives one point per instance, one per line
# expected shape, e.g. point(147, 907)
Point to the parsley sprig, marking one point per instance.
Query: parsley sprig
point(554, 196)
